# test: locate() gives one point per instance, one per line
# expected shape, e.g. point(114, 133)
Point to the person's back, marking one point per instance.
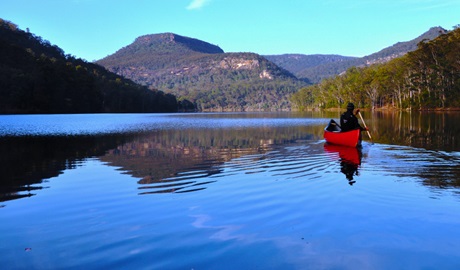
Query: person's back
point(348, 120)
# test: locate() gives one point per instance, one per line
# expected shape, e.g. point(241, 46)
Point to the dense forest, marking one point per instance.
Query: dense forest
point(202, 73)
point(37, 77)
point(427, 78)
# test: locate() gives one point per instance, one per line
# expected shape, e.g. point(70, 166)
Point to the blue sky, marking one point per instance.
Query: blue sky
point(93, 29)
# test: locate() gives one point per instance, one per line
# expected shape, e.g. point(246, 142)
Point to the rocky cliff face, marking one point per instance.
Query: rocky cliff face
point(203, 73)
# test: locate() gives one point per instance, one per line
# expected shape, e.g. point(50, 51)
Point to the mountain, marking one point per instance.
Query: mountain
point(401, 48)
point(314, 68)
point(296, 63)
point(37, 77)
point(204, 74)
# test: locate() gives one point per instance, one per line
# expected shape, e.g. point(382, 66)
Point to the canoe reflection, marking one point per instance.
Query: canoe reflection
point(349, 158)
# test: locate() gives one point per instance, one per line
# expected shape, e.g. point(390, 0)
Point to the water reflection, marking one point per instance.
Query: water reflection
point(435, 169)
point(429, 130)
point(26, 162)
point(270, 191)
point(164, 160)
point(349, 159)
point(184, 160)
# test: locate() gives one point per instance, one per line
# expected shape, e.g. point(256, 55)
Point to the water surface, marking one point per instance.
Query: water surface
point(226, 191)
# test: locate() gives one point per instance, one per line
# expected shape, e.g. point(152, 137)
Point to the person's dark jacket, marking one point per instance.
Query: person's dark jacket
point(348, 121)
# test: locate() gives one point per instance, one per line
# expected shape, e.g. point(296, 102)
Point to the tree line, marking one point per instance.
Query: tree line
point(37, 77)
point(427, 78)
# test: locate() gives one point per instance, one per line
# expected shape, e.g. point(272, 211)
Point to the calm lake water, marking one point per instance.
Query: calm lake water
point(228, 191)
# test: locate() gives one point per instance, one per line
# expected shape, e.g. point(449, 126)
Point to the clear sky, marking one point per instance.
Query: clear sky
point(93, 29)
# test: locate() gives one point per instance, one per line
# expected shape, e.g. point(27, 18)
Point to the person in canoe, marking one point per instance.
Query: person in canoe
point(349, 121)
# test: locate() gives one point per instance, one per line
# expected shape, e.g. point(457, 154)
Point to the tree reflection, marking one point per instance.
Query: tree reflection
point(27, 161)
point(428, 130)
point(163, 161)
point(181, 160)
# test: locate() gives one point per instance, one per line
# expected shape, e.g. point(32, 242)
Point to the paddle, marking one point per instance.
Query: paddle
point(368, 133)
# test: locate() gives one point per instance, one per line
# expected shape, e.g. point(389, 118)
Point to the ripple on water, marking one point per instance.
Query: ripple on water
point(300, 162)
point(407, 161)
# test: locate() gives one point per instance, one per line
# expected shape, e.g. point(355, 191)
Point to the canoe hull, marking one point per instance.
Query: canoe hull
point(350, 138)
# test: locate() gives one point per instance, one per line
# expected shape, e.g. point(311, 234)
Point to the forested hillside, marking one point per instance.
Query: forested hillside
point(427, 78)
point(314, 68)
point(37, 77)
point(202, 73)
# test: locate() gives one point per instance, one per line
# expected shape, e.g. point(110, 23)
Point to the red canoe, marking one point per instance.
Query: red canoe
point(350, 138)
